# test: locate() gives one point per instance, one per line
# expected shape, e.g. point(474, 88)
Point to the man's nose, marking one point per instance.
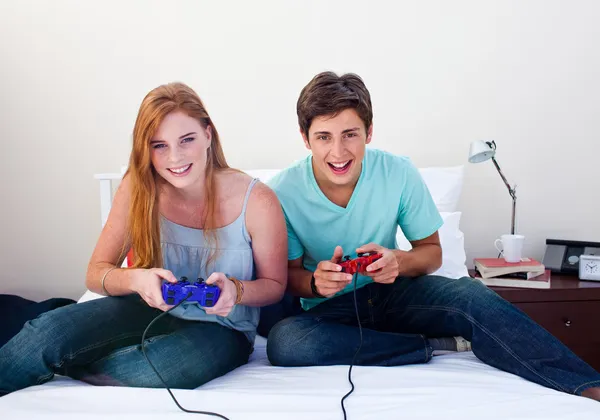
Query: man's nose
point(338, 148)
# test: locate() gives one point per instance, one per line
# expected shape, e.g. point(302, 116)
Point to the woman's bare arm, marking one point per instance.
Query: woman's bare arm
point(266, 226)
point(109, 248)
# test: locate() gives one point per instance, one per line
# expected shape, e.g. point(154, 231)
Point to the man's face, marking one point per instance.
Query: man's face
point(338, 147)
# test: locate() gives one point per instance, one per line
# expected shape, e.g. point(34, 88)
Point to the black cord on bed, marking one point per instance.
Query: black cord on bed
point(160, 377)
point(357, 350)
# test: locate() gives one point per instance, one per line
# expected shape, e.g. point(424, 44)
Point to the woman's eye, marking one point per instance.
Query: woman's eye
point(158, 146)
point(188, 139)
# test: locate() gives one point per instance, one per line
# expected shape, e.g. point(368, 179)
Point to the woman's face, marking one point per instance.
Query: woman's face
point(179, 150)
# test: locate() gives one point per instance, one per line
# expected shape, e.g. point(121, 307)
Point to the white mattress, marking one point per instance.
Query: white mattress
point(456, 386)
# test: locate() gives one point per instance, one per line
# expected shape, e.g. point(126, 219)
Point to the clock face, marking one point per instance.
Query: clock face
point(591, 267)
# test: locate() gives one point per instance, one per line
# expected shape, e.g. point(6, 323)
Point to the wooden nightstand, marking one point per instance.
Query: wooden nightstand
point(569, 310)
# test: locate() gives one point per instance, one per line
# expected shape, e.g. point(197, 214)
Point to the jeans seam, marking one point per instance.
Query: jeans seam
point(428, 354)
point(585, 385)
point(91, 347)
point(118, 352)
point(42, 379)
point(317, 325)
point(501, 343)
point(131, 348)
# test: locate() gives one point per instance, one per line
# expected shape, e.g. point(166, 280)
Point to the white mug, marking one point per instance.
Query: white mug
point(512, 247)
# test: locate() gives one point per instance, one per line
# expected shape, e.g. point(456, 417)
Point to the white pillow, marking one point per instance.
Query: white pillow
point(89, 295)
point(444, 184)
point(263, 174)
point(453, 246)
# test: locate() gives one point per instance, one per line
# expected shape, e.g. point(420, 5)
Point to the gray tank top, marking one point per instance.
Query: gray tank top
point(185, 252)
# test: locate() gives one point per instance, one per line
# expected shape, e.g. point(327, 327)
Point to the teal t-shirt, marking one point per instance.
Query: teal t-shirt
point(390, 193)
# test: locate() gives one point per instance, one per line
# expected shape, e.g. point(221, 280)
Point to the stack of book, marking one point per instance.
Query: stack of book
point(527, 273)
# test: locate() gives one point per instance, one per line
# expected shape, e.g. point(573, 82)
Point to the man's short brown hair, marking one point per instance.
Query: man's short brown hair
point(328, 94)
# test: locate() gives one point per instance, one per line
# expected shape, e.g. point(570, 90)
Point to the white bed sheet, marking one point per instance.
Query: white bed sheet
point(455, 386)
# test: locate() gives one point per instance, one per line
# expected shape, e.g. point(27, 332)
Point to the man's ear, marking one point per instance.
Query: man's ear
point(369, 134)
point(305, 138)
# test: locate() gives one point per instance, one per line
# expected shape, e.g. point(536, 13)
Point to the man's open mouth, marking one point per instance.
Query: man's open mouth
point(340, 168)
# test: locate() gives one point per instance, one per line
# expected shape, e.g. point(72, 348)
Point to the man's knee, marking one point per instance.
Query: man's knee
point(475, 289)
point(290, 342)
point(463, 286)
point(466, 294)
point(476, 299)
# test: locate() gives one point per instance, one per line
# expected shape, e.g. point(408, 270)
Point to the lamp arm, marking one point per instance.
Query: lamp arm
point(511, 190)
point(513, 194)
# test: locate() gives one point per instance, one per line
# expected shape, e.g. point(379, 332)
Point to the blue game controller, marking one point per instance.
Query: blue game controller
point(205, 295)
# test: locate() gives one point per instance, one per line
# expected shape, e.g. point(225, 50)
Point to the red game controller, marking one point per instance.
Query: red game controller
point(359, 264)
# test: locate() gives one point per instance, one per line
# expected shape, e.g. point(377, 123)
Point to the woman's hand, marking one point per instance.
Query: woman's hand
point(147, 283)
point(228, 295)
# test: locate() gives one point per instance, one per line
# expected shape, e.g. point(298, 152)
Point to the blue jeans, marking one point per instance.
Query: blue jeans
point(98, 342)
point(398, 318)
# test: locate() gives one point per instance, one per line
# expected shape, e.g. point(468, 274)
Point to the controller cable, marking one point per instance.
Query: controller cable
point(354, 280)
point(160, 377)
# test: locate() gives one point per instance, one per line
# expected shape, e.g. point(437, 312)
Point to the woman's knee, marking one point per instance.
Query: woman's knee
point(192, 371)
point(54, 326)
point(183, 359)
point(59, 330)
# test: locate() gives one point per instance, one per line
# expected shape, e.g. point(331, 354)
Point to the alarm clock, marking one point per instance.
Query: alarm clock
point(589, 267)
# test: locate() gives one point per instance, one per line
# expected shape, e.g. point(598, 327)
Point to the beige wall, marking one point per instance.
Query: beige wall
point(441, 74)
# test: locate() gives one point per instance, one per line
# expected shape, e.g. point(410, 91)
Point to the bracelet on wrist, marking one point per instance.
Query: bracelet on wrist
point(239, 287)
point(102, 286)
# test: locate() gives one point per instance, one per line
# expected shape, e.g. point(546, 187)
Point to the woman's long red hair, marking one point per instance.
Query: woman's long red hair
point(143, 219)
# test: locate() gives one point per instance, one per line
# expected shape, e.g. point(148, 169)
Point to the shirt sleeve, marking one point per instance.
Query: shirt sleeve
point(418, 216)
point(295, 248)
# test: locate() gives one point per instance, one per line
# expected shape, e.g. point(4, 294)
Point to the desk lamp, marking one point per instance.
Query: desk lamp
point(482, 150)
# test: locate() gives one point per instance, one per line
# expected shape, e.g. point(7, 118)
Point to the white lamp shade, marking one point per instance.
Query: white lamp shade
point(480, 151)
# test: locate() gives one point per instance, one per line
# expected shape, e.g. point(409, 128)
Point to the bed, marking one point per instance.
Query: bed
point(453, 386)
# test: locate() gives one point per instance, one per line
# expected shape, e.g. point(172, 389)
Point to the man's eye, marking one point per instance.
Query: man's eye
point(322, 138)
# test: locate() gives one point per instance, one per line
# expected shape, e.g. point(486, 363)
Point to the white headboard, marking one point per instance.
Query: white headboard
point(106, 191)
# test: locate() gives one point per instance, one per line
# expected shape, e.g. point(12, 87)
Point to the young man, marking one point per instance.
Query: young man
point(346, 199)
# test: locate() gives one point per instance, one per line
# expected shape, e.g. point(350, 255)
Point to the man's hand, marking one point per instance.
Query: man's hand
point(384, 270)
point(328, 278)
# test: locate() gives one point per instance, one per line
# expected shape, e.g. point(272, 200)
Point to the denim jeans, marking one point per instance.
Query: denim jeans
point(398, 318)
point(98, 342)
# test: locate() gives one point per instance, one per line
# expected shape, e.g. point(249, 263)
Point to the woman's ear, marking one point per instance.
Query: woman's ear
point(208, 132)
